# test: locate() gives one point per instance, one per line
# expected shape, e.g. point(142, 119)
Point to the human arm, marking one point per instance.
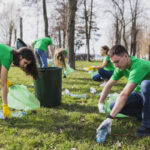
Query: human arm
point(4, 76)
point(104, 94)
point(33, 45)
point(120, 102)
point(122, 98)
point(52, 50)
point(102, 66)
point(106, 90)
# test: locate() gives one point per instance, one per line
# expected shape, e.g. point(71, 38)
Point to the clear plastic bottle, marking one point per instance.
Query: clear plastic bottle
point(101, 135)
point(77, 95)
point(18, 114)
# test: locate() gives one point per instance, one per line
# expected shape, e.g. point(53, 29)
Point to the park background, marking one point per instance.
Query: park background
point(72, 125)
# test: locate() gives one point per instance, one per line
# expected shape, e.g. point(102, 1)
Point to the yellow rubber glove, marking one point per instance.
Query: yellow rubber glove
point(6, 111)
point(9, 83)
point(89, 68)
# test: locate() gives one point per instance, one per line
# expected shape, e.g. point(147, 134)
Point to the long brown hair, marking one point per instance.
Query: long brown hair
point(28, 54)
point(106, 48)
point(60, 56)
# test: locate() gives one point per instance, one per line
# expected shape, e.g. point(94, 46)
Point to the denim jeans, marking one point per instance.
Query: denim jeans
point(41, 57)
point(138, 104)
point(102, 74)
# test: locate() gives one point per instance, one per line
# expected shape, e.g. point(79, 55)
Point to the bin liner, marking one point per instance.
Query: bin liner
point(21, 99)
point(20, 44)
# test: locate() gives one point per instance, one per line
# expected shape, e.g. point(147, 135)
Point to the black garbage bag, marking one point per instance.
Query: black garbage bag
point(20, 43)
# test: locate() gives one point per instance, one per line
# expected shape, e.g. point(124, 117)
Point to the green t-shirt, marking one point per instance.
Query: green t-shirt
point(109, 66)
point(138, 71)
point(6, 57)
point(43, 44)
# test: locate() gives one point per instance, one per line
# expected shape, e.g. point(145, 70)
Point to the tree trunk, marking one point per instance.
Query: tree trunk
point(11, 26)
point(59, 37)
point(15, 35)
point(124, 37)
point(45, 17)
point(72, 7)
point(64, 37)
point(86, 31)
point(21, 28)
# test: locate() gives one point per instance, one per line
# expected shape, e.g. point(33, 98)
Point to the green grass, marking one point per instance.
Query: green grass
point(72, 124)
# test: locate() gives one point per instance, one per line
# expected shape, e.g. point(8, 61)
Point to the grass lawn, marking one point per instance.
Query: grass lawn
point(73, 124)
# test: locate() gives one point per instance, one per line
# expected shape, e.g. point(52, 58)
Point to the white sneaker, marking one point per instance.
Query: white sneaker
point(103, 84)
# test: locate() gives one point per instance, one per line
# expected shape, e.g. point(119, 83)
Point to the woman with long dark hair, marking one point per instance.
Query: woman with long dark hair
point(23, 58)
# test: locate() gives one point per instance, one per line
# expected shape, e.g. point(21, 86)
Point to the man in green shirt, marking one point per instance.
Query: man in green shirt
point(133, 99)
point(40, 47)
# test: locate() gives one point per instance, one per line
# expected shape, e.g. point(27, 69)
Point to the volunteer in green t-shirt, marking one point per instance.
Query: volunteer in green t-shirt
point(40, 47)
point(60, 57)
point(133, 99)
point(105, 71)
point(23, 58)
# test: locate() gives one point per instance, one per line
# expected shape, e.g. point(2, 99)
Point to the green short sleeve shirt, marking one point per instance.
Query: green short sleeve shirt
point(6, 57)
point(109, 66)
point(138, 71)
point(43, 43)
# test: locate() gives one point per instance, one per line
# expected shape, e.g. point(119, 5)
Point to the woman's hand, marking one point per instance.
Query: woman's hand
point(6, 111)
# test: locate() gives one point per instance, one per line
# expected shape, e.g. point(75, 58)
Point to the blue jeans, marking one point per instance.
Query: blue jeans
point(41, 57)
point(138, 104)
point(102, 74)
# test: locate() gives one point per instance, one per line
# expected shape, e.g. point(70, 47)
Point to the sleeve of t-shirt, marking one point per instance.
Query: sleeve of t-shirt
point(137, 76)
point(35, 41)
point(117, 74)
point(6, 63)
point(51, 42)
point(107, 58)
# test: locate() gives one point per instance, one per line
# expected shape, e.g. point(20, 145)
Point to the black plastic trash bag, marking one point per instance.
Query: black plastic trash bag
point(20, 44)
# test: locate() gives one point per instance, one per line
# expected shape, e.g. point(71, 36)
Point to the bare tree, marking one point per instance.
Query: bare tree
point(8, 23)
point(88, 25)
point(45, 17)
point(72, 7)
point(135, 13)
point(59, 27)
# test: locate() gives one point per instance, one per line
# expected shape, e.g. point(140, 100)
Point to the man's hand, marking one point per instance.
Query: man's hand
point(6, 111)
point(106, 124)
point(101, 108)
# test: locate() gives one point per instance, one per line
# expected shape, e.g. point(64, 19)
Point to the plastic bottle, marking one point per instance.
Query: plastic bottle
point(18, 114)
point(101, 135)
point(77, 95)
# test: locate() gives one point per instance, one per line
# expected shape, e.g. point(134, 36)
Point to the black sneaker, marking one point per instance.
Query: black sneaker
point(143, 132)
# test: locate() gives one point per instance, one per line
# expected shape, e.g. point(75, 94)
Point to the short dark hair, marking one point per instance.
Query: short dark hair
point(28, 54)
point(106, 48)
point(117, 50)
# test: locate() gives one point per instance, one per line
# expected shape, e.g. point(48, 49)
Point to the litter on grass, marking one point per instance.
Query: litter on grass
point(16, 114)
point(92, 90)
point(66, 92)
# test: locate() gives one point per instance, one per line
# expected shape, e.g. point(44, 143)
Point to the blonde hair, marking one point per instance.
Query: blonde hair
point(60, 56)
